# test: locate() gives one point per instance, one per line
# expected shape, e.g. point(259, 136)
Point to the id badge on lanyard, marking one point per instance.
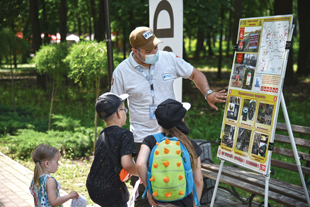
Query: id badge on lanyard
point(152, 111)
point(153, 107)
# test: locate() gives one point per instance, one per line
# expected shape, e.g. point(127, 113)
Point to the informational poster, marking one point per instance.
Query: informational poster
point(254, 88)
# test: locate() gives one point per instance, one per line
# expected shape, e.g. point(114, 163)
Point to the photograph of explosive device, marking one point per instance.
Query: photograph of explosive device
point(233, 107)
point(243, 139)
point(264, 115)
point(248, 110)
point(260, 144)
point(228, 137)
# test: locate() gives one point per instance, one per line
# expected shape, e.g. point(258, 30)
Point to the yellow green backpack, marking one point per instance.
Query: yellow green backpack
point(170, 176)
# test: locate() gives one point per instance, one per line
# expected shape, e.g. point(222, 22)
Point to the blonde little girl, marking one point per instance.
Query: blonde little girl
point(44, 188)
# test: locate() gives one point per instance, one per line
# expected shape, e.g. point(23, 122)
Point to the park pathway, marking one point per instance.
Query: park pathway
point(15, 180)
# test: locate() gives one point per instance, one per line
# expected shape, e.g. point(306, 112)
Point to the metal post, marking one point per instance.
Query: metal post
point(290, 132)
point(217, 183)
point(267, 179)
point(109, 42)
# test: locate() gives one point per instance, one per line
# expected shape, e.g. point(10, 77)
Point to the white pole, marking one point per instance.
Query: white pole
point(217, 183)
point(290, 132)
point(267, 179)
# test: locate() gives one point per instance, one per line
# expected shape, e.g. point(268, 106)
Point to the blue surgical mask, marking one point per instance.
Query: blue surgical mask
point(150, 59)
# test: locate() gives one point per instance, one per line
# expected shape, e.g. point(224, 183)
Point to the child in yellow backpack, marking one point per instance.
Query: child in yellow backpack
point(173, 144)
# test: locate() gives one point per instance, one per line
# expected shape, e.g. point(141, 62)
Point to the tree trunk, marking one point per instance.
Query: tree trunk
point(210, 51)
point(285, 7)
point(63, 20)
point(51, 109)
point(124, 40)
point(304, 41)
point(199, 43)
point(36, 37)
point(94, 16)
point(76, 3)
point(237, 17)
point(25, 36)
point(213, 39)
point(90, 29)
point(101, 22)
point(15, 59)
point(184, 52)
point(12, 83)
point(229, 33)
point(44, 24)
point(219, 73)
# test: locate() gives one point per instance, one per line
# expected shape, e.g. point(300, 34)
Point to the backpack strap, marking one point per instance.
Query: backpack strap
point(158, 137)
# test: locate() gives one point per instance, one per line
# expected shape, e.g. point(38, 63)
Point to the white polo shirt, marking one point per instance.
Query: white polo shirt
point(128, 79)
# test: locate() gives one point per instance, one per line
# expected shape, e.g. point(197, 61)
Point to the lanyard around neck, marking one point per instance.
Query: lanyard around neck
point(150, 80)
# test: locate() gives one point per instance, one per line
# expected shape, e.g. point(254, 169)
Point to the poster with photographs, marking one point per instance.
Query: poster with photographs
point(228, 136)
point(237, 77)
point(243, 72)
point(259, 146)
point(233, 108)
point(250, 60)
point(243, 141)
point(254, 91)
point(264, 116)
point(248, 112)
point(248, 40)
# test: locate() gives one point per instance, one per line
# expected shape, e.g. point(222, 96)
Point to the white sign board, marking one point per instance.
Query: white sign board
point(166, 20)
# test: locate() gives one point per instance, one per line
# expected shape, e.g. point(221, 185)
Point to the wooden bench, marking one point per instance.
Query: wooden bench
point(280, 191)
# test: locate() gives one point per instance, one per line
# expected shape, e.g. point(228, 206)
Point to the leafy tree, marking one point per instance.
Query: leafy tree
point(49, 60)
point(88, 65)
point(10, 45)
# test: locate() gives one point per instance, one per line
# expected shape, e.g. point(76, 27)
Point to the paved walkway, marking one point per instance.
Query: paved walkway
point(15, 180)
point(14, 184)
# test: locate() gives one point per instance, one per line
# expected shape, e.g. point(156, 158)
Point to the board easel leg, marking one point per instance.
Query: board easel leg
point(290, 132)
point(217, 183)
point(267, 179)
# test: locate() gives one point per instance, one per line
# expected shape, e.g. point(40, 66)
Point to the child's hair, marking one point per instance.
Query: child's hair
point(186, 142)
point(40, 154)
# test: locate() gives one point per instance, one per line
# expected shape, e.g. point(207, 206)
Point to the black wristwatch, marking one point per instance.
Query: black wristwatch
point(208, 93)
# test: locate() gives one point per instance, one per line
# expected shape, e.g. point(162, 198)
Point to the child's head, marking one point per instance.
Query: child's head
point(170, 116)
point(109, 105)
point(46, 159)
point(170, 113)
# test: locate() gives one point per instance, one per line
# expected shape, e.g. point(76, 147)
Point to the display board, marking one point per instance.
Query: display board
point(254, 91)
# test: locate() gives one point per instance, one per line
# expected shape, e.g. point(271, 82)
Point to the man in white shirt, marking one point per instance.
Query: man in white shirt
point(147, 75)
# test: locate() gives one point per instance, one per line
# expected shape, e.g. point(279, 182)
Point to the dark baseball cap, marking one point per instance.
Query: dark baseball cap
point(170, 113)
point(108, 103)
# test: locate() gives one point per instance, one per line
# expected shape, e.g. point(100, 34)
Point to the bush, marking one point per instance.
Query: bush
point(71, 144)
point(23, 118)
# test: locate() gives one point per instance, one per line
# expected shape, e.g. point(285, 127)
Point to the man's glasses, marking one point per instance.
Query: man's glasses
point(125, 109)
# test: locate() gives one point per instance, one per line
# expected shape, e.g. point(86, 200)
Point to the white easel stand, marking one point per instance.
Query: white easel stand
point(267, 176)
